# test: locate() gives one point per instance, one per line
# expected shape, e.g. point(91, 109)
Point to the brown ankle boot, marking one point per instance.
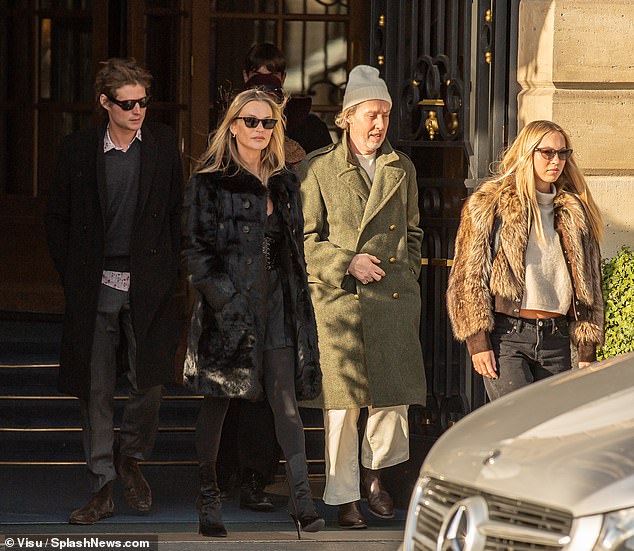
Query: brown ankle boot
point(379, 501)
point(100, 506)
point(135, 488)
point(349, 515)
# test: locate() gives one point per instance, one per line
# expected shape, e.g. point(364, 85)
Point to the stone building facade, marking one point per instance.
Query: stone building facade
point(576, 67)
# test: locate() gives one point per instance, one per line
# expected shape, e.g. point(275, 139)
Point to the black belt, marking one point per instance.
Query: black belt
point(548, 323)
point(555, 319)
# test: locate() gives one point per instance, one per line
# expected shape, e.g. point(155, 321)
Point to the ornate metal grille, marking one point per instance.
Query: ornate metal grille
point(451, 116)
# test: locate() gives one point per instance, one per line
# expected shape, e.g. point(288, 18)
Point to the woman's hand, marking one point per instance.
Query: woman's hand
point(365, 268)
point(584, 364)
point(484, 364)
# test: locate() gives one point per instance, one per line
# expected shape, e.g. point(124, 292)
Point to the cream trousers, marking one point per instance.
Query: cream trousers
point(385, 443)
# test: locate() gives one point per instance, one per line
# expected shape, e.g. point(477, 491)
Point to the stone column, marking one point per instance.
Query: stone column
point(576, 67)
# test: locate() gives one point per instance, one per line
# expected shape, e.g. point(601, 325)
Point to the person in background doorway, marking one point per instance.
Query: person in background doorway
point(265, 65)
point(363, 251)
point(113, 228)
point(526, 276)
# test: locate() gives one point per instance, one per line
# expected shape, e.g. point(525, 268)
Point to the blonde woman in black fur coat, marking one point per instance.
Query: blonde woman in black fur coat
point(253, 331)
point(526, 277)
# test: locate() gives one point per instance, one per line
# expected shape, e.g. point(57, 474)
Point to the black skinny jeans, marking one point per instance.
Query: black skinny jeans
point(279, 386)
point(527, 350)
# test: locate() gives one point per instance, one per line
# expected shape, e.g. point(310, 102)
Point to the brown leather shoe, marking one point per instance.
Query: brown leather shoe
point(100, 506)
point(379, 501)
point(135, 488)
point(349, 516)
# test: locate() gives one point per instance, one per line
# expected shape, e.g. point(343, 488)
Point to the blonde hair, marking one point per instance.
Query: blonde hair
point(516, 168)
point(222, 150)
point(341, 120)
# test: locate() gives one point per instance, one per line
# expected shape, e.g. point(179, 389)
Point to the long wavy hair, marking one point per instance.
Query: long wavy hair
point(222, 150)
point(516, 168)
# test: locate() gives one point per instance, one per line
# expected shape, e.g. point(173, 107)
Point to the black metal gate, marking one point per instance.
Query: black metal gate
point(453, 63)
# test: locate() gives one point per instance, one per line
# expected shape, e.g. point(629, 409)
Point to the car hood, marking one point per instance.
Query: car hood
point(566, 442)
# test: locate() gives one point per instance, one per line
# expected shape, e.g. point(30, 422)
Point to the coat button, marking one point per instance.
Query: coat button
point(356, 296)
point(394, 295)
point(392, 260)
point(392, 227)
point(155, 215)
point(246, 229)
point(288, 206)
point(153, 251)
point(517, 299)
point(516, 310)
point(246, 204)
point(358, 228)
point(249, 260)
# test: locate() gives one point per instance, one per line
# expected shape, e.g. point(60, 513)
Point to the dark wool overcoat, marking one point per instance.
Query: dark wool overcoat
point(75, 232)
point(480, 285)
point(224, 219)
point(368, 334)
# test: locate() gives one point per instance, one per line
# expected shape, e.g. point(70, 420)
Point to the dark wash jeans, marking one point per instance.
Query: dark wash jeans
point(527, 351)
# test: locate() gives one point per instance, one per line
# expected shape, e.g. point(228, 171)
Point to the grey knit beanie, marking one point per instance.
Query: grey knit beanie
point(364, 83)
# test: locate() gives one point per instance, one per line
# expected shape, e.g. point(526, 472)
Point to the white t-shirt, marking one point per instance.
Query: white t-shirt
point(368, 163)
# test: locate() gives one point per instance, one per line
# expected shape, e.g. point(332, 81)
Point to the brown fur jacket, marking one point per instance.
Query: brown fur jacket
point(480, 285)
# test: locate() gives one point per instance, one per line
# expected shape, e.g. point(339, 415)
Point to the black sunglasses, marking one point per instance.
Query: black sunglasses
point(549, 154)
point(252, 122)
point(128, 104)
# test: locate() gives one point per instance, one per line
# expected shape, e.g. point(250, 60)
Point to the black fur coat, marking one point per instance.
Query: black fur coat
point(223, 224)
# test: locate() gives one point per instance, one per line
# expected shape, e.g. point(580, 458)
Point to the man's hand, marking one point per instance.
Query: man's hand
point(484, 364)
point(365, 268)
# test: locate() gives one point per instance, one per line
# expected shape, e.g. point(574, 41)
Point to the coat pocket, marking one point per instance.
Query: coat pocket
point(236, 325)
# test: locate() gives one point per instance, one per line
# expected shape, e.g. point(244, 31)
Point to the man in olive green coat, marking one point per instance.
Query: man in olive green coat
point(362, 245)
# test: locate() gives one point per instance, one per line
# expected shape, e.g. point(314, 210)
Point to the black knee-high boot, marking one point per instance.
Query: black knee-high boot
point(303, 508)
point(209, 507)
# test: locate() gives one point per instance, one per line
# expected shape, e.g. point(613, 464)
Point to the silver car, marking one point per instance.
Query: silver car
point(549, 467)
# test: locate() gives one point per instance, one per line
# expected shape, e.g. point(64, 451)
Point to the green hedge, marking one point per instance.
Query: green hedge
point(618, 297)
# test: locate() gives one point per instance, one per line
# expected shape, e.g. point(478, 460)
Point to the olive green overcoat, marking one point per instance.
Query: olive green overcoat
point(368, 334)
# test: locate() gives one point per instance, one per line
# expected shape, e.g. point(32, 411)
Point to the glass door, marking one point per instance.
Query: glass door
point(321, 40)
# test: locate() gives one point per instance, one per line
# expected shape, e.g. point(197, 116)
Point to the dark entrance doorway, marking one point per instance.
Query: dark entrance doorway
point(450, 66)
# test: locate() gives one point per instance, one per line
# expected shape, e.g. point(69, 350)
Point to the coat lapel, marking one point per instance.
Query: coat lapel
point(347, 171)
point(514, 234)
point(148, 167)
point(352, 179)
point(98, 158)
point(387, 180)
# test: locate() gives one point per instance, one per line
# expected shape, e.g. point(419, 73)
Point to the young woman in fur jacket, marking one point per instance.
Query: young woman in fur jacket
point(526, 277)
point(253, 331)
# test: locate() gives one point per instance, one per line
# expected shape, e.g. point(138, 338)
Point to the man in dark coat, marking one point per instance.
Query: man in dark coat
point(113, 228)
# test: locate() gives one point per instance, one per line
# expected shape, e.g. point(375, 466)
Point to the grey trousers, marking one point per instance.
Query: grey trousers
point(139, 424)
